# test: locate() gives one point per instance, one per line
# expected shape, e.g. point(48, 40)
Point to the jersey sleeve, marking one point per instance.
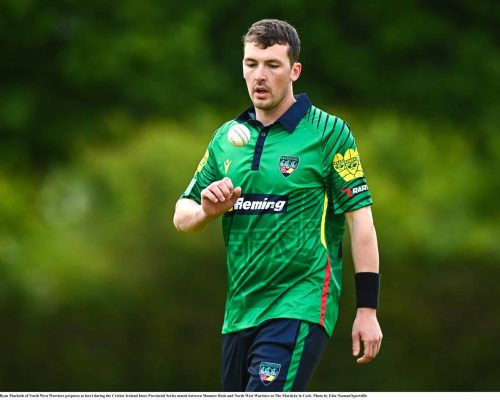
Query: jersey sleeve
point(204, 175)
point(345, 178)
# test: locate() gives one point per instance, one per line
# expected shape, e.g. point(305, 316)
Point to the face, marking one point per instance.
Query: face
point(269, 75)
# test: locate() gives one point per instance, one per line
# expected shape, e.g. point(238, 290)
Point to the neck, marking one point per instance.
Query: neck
point(268, 117)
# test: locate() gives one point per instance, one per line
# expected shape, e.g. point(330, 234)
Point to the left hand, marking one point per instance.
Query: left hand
point(366, 330)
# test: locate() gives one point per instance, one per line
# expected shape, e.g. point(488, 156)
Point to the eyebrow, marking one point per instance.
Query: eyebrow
point(272, 60)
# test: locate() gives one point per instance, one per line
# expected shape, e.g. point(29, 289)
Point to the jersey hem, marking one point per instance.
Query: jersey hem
point(328, 327)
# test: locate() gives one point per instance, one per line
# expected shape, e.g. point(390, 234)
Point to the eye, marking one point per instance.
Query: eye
point(250, 64)
point(273, 66)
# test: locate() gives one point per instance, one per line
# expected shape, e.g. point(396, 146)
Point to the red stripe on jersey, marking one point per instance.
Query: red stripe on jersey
point(324, 294)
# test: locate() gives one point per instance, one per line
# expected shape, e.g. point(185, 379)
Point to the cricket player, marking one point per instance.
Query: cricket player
point(284, 177)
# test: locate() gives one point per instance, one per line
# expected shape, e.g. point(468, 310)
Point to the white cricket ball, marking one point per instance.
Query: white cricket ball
point(238, 135)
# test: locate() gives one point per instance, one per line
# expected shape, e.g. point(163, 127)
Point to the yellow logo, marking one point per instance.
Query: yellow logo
point(203, 162)
point(348, 165)
point(227, 163)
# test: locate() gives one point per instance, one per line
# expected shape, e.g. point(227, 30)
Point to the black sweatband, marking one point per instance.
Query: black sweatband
point(367, 289)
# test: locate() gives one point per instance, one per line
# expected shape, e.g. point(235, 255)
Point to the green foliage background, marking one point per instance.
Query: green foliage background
point(105, 110)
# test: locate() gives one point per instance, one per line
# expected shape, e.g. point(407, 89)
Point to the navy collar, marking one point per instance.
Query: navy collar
point(289, 120)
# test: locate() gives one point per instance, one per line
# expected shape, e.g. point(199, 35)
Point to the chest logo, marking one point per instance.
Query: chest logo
point(227, 163)
point(288, 165)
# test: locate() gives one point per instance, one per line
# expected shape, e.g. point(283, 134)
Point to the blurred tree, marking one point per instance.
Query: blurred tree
point(73, 72)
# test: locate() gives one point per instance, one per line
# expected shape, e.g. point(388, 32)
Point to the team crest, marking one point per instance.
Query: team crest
point(269, 372)
point(288, 165)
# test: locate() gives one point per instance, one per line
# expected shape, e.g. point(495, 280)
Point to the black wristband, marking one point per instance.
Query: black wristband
point(367, 289)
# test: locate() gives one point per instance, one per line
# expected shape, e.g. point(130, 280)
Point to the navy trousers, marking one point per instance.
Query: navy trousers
point(279, 355)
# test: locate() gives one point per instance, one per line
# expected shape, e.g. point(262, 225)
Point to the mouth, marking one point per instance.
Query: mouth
point(261, 92)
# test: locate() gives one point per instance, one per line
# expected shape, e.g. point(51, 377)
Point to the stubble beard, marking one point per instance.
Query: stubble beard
point(270, 103)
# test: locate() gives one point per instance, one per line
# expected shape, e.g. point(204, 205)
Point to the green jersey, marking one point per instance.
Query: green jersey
point(284, 234)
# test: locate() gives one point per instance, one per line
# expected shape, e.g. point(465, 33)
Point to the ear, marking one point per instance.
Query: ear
point(295, 72)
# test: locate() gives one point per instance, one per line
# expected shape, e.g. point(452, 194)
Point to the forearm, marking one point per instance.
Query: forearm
point(189, 216)
point(366, 330)
point(365, 258)
point(363, 240)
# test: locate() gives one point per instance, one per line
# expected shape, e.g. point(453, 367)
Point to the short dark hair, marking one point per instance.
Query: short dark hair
point(268, 32)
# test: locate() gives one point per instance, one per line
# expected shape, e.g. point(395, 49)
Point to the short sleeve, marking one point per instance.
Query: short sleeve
point(345, 178)
point(204, 175)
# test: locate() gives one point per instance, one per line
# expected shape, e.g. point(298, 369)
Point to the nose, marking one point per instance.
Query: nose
point(260, 74)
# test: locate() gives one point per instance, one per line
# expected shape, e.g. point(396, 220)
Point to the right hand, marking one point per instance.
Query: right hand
point(219, 197)
point(366, 331)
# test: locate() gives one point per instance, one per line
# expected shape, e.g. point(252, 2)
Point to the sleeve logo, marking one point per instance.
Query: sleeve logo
point(203, 162)
point(351, 192)
point(348, 165)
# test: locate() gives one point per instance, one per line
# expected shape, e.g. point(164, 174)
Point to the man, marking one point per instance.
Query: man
point(283, 198)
